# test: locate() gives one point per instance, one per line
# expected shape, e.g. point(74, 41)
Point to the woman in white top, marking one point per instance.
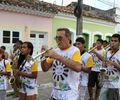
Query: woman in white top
point(28, 73)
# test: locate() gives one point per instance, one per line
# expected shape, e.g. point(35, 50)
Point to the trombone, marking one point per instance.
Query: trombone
point(108, 46)
point(96, 47)
point(92, 49)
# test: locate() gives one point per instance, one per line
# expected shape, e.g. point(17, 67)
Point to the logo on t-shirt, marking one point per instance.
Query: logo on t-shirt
point(60, 71)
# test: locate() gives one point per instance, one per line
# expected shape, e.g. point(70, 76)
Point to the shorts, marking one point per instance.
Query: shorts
point(93, 79)
point(29, 91)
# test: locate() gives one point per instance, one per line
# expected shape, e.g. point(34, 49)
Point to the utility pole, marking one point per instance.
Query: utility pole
point(78, 15)
point(114, 4)
point(62, 2)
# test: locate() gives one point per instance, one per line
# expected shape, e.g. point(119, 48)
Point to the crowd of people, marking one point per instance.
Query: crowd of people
point(76, 71)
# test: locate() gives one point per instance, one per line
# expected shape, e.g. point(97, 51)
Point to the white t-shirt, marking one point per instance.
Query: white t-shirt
point(113, 74)
point(66, 81)
point(97, 61)
point(87, 61)
point(29, 67)
point(3, 78)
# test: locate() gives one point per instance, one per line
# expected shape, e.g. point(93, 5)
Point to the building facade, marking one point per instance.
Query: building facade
point(21, 21)
point(96, 23)
point(37, 22)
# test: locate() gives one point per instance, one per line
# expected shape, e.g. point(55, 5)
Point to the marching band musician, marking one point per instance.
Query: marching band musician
point(14, 63)
point(111, 86)
point(65, 62)
point(105, 43)
point(87, 64)
point(27, 71)
point(16, 51)
point(3, 48)
point(98, 54)
point(4, 73)
point(3, 51)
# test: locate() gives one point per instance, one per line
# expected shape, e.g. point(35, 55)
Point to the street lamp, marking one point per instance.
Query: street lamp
point(78, 15)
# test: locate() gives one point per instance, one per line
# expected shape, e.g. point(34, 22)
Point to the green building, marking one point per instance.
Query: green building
point(96, 23)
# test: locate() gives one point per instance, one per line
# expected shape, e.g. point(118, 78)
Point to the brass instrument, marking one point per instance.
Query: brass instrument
point(102, 75)
point(92, 49)
point(11, 80)
point(103, 69)
point(107, 47)
point(41, 53)
point(14, 64)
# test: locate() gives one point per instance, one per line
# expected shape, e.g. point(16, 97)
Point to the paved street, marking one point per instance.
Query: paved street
point(45, 86)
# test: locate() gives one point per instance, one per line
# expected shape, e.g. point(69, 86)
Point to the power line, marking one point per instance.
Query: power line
point(113, 4)
point(62, 2)
point(106, 2)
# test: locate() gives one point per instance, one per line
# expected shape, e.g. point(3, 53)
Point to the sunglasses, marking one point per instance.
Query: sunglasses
point(58, 38)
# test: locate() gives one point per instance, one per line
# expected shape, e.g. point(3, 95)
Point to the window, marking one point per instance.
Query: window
point(108, 38)
point(15, 36)
point(6, 36)
point(41, 36)
point(96, 37)
point(10, 36)
point(33, 35)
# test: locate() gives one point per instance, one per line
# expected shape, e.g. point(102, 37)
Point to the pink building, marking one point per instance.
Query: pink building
point(25, 22)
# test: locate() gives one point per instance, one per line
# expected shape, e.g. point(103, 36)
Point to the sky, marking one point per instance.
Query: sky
point(101, 4)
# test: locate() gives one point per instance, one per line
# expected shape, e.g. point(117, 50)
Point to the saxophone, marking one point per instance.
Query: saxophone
point(15, 80)
point(12, 80)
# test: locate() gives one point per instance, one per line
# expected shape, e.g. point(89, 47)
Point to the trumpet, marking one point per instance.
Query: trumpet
point(42, 53)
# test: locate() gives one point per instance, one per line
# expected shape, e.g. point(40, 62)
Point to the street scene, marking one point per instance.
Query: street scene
point(59, 49)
